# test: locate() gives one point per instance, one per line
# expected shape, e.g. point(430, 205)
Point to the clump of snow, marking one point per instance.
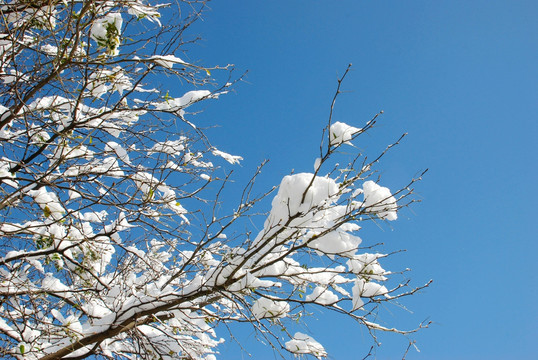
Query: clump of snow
point(317, 164)
point(357, 302)
point(267, 308)
point(73, 195)
point(366, 265)
point(48, 202)
point(50, 49)
point(248, 281)
point(102, 246)
point(304, 344)
point(379, 200)
point(102, 81)
point(52, 284)
point(72, 322)
point(189, 98)
point(170, 147)
point(338, 241)
point(322, 296)
point(341, 133)
point(288, 200)
point(312, 216)
point(167, 61)
point(6, 175)
point(232, 159)
point(363, 288)
point(144, 12)
point(106, 32)
point(119, 150)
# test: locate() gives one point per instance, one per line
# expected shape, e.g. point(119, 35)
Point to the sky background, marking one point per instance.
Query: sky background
point(461, 78)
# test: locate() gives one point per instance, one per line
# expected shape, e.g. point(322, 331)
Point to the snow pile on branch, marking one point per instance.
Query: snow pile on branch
point(106, 32)
point(168, 61)
point(267, 308)
point(379, 200)
point(306, 205)
point(341, 133)
point(186, 100)
point(48, 202)
point(322, 296)
point(304, 344)
point(316, 190)
point(232, 159)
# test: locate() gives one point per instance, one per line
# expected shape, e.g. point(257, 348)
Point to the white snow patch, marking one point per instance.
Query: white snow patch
point(267, 308)
point(322, 296)
point(232, 159)
point(304, 344)
point(341, 133)
point(379, 200)
point(167, 61)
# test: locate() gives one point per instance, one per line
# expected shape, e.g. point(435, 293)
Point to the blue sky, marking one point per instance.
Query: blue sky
point(461, 78)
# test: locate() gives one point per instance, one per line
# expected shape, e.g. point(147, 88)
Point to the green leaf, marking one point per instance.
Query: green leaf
point(21, 348)
point(46, 211)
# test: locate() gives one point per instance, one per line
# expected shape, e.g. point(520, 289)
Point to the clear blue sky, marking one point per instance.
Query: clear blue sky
point(461, 78)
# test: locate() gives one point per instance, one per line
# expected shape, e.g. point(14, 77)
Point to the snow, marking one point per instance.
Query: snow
point(313, 216)
point(108, 166)
point(94, 216)
point(102, 81)
point(304, 344)
point(73, 195)
point(368, 289)
point(168, 61)
point(322, 296)
point(341, 133)
point(232, 159)
point(334, 242)
point(171, 147)
point(8, 330)
point(187, 99)
point(105, 31)
point(248, 281)
point(142, 11)
point(5, 175)
point(50, 283)
point(357, 302)
point(288, 203)
point(379, 201)
point(267, 308)
point(367, 265)
point(66, 152)
point(48, 202)
point(118, 150)
point(317, 164)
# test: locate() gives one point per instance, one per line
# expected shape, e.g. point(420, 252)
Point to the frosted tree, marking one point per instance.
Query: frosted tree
point(113, 244)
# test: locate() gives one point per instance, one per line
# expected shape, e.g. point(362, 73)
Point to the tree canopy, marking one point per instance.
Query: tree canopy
point(113, 241)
